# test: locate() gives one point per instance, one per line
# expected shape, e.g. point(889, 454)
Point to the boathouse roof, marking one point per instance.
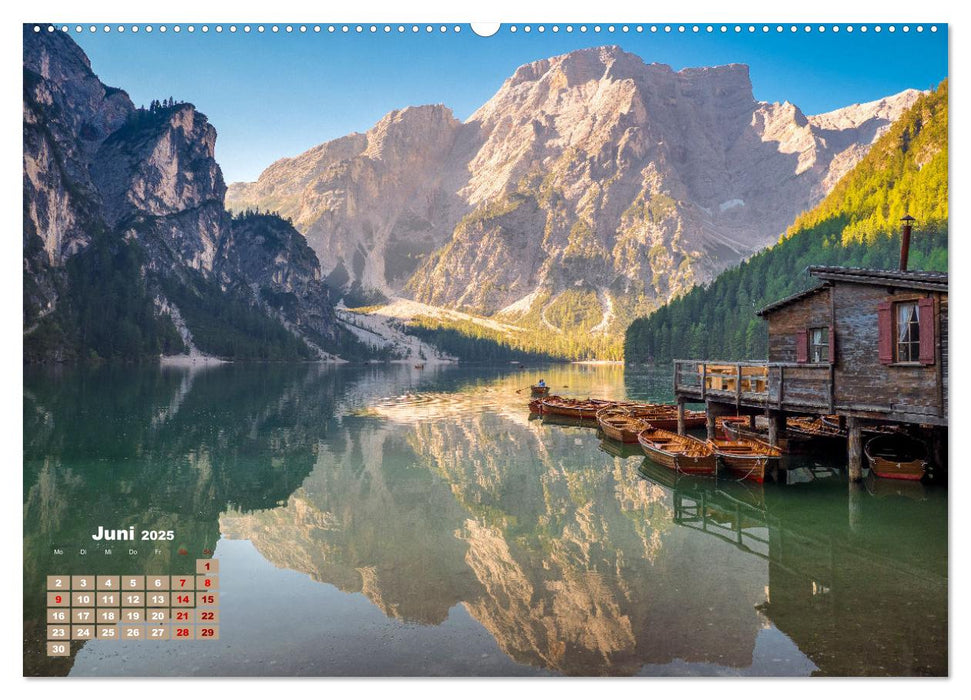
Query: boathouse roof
point(790, 299)
point(906, 279)
point(901, 279)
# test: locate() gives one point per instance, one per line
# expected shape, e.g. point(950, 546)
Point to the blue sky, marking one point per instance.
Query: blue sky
point(274, 95)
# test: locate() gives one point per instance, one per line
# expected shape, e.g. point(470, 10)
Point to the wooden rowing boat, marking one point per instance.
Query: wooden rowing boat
point(679, 452)
point(536, 407)
point(897, 457)
point(730, 421)
point(815, 428)
point(787, 442)
point(575, 408)
point(618, 424)
point(746, 457)
point(537, 390)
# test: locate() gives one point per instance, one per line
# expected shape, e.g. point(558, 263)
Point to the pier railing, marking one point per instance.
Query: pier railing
point(756, 383)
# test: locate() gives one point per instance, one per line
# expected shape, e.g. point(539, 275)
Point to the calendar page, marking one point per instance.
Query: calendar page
point(544, 349)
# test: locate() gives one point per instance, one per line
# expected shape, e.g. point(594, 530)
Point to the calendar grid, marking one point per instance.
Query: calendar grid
point(178, 607)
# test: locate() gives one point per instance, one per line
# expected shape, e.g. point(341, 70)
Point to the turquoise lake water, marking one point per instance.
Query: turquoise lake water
point(384, 520)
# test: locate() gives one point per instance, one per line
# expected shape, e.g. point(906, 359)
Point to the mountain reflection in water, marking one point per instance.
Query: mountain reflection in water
point(432, 495)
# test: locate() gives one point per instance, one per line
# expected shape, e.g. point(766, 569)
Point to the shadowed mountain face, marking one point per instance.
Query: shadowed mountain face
point(590, 180)
point(128, 249)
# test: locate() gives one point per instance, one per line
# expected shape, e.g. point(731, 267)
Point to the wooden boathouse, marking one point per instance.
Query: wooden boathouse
point(868, 346)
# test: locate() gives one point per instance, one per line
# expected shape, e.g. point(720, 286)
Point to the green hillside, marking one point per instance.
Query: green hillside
point(857, 225)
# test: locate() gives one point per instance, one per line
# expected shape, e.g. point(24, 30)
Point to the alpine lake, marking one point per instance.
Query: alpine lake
point(384, 520)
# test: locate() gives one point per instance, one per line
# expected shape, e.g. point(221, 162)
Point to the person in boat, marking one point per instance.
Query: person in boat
point(541, 383)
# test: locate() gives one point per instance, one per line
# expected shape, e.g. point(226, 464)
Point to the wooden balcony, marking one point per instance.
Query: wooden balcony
point(779, 385)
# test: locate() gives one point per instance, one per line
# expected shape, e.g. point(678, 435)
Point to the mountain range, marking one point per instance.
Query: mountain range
point(591, 188)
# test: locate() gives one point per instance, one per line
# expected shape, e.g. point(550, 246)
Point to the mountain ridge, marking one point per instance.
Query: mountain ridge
point(856, 224)
point(591, 181)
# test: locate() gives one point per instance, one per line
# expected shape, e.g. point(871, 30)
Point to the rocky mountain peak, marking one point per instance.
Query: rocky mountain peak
point(401, 131)
point(161, 162)
point(577, 67)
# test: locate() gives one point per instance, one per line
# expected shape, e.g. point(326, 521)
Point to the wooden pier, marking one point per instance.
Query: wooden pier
point(868, 346)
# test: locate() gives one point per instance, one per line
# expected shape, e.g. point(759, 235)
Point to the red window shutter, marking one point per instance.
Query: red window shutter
point(925, 316)
point(885, 326)
point(832, 345)
point(802, 346)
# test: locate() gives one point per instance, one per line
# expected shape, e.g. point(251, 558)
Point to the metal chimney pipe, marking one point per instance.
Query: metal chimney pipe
point(905, 240)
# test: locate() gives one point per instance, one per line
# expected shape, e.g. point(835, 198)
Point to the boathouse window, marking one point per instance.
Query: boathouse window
point(907, 332)
point(819, 345)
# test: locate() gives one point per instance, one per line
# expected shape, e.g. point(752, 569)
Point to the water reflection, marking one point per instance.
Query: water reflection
point(431, 491)
point(858, 583)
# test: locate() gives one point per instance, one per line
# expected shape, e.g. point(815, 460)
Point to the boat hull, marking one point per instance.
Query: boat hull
point(907, 471)
point(617, 424)
point(896, 457)
point(671, 453)
point(539, 390)
point(749, 459)
point(751, 468)
point(619, 434)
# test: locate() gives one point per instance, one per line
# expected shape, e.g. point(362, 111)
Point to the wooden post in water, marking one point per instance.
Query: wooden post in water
point(680, 416)
point(711, 412)
point(776, 427)
point(938, 453)
point(854, 448)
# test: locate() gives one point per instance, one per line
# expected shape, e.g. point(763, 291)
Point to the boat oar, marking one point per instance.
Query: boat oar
point(524, 388)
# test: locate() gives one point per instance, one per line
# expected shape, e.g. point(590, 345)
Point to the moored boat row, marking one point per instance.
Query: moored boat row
point(744, 450)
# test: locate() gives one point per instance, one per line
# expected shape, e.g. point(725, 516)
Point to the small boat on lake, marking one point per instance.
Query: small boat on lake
point(746, 457)
point(679, 452)
point(536, 407)
point(537, 390)
point(619, 424)
point(897, 457)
